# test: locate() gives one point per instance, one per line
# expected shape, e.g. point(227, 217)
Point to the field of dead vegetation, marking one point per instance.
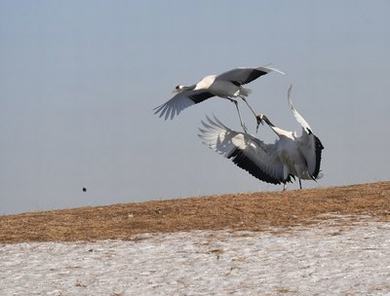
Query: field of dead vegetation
point(247, 211)
point(310, 242)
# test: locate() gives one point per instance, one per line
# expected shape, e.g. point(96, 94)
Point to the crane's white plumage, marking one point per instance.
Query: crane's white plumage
point(289, 157)
point(247, 152)
point(226, 85)
point(309, 144)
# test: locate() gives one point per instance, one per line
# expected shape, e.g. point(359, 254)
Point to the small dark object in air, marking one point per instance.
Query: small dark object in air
point(84, 189)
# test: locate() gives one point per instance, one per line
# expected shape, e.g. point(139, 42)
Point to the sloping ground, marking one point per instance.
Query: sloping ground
point(252, 211)
point(327, 259)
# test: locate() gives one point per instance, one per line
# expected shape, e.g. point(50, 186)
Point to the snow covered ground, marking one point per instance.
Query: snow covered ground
point(324, 259)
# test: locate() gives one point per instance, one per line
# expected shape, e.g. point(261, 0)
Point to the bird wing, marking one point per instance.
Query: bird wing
point(306, 127)
point(181, 101)
point(311, 148)
point(309, 144)
point(241, 76)
point(247, 152)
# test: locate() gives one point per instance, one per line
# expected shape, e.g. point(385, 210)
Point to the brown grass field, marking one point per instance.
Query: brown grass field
point(246, 211)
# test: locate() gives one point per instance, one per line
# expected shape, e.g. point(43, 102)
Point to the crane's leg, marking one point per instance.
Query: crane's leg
point(300, 183)
point(258, 119)
point(284, 187)
point(239, 114)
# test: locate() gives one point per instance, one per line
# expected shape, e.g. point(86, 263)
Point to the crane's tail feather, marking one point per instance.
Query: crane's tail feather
point(245, 91)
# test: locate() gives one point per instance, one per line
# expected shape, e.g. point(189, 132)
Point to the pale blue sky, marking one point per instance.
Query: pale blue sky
point(79, 80)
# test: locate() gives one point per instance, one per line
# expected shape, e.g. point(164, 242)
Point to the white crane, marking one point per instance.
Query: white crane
point(289, 157)
point(227, 85)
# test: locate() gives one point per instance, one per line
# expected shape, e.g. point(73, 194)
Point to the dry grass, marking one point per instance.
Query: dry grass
point(252, 211)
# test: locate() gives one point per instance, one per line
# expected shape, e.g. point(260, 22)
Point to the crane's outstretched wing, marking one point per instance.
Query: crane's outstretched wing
point(309, 144)
point(241, 76)
point(181, 101)
point(247, 152)
point(311, 148)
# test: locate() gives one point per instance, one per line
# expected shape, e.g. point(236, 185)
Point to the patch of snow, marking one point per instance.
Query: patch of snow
point(324, 259)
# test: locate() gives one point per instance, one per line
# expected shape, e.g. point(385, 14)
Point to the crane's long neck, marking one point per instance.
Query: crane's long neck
point(189, 87)
point(280, 132)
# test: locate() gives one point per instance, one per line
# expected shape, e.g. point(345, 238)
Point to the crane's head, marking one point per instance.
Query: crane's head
point(179, 88)
point(259, 119)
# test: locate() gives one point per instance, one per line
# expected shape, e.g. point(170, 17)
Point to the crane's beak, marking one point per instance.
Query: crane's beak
point(259, 120)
